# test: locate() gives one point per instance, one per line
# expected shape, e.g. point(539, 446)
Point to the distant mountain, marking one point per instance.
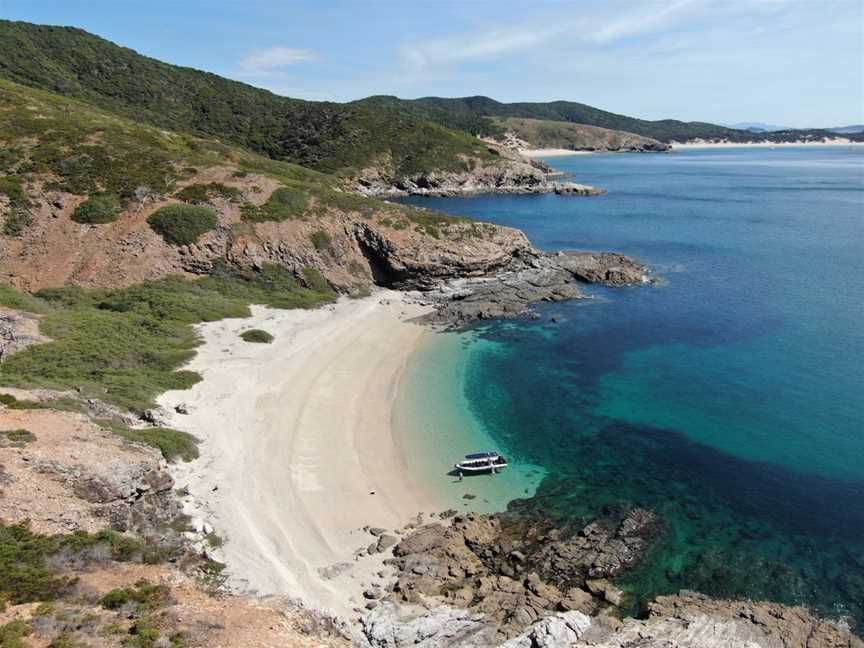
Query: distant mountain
point(758, 127)
point(857, 128)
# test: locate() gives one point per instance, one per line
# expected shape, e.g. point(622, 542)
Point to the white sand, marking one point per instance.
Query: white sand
point(296, 436)
point(551, 152)
point(840, 141)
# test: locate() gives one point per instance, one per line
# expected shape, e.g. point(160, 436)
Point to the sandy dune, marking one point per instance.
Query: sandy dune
point(298, 452)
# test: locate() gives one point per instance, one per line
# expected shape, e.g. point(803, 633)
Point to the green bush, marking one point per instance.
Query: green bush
point(182, 224)
point(320, 240)
point(172, 444)
point(18, 437)
point(144, 596)
point(66, 640)
point(97, 210)
point(196, 193)
point(256, 335)
point(12, 633)
point(283, 204)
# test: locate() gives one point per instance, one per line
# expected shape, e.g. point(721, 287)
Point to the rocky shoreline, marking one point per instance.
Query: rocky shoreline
point(512, 174)
point(500, 580)
point(530, 278)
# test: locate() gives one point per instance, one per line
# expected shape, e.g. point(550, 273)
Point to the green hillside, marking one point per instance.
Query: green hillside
point(325, 136)
point(472, 113)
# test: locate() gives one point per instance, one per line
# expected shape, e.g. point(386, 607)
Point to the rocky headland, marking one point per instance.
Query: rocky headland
point(509, 173)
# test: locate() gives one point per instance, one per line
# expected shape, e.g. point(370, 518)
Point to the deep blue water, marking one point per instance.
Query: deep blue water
point(729, 398)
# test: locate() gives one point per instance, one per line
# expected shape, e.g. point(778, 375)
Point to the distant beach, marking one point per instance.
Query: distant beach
point(840, 141)
point(551, 152)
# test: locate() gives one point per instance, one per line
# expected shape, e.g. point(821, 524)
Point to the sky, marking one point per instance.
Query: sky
point(795, 63)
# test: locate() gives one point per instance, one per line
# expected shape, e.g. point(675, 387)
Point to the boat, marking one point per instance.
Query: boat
point(481, 462)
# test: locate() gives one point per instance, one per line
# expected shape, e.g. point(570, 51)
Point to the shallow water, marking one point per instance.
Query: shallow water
point(730, 398)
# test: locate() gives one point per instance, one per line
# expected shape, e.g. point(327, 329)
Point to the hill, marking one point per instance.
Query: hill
point(467, 110)
point(90, 198)
point(541, 133)
point(330, 137)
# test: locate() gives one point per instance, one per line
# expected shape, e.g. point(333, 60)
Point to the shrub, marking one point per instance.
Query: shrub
point(320, 240)
point(66, 640)
point(283, 204)
point(98, 210)
point(257, 335)
point(144, 596)
point(12, 633)
point(171, 443)
point(196, 193)
point(18, 438)
point(182, 224)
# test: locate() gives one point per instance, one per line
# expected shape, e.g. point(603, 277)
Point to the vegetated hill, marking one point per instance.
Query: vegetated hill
point(464, 109)
point(93, 199)
point(325, 136)
point(541, 133)
point(846, 130)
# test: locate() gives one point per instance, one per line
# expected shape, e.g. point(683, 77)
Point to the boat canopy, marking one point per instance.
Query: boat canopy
point(482, 455)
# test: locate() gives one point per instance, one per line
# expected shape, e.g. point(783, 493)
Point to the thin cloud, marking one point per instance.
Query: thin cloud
point(599, 27)
point(263, 62)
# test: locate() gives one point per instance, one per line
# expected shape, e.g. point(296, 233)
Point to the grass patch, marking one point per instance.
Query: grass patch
point(143, 597)
point(18, 438)
point(17, 300)
point(200, 193)
point(97, 210)
point(173, 444)
point(126, 346)
point(182, 224)
point(257, 335)
point(284, 204)
point(320, 240)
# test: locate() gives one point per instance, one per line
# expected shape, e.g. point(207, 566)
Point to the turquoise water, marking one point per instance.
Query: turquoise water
point(729, 398)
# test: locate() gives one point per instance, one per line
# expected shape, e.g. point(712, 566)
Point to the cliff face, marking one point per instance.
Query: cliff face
point(387, 244)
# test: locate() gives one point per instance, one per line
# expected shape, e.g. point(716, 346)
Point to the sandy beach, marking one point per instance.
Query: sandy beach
point(840, 141)
point(551, 152)
point(297, 451)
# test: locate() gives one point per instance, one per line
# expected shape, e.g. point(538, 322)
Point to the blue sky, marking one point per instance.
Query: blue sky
point(790, 62)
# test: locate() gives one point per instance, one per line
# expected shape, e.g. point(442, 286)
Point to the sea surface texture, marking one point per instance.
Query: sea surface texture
point(729, 397)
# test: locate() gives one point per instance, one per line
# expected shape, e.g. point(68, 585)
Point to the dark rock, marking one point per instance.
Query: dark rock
point(385, 542)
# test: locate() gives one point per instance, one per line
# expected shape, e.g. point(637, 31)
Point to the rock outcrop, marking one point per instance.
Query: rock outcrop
point(516, 572)
point(511, 173)
point(690, 620)
point(17, 331)
point(390, 626)
point(530, 277)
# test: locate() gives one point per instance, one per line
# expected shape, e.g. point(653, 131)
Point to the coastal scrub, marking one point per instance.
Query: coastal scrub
point(125, 346)
point(256, 335)
point(182, 224)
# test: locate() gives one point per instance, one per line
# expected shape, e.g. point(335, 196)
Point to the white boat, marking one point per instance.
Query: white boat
point(481, 462)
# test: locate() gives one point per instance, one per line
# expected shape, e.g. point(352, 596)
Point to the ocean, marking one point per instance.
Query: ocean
point(728, 397)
